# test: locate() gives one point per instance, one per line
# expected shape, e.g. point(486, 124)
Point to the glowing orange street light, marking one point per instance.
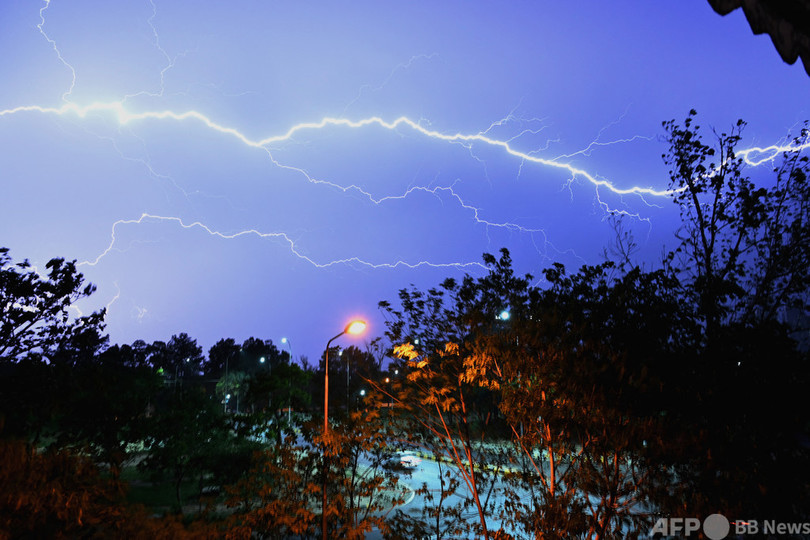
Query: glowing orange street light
point(354, 328)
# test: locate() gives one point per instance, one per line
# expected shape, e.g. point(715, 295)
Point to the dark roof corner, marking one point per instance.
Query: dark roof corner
point(786, 21)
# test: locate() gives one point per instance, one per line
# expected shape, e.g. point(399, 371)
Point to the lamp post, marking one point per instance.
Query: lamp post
point(289, 383)
point(347, 382)
point(354, 328)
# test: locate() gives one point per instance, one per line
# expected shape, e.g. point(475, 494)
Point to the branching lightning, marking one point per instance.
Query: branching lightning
point(125, 113)
point(403, 66)
point(119, 111)
point(283, 237)
point(756, 156)
point(52, 43)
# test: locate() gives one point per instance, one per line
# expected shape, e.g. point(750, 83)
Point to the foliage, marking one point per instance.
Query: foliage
point(37, 336)
point(188, 438)
point(104, 405)
point(744, 249)
point(278, 496)
point(57, 494)
point(362, 490)
point(221, 357)
point(743, 262)
point(624, 389)
point(252, 352)
point(349, 369)
point(281, 496)
point(438, 401)
point(274, 392)
point(564, 375)
point(34, 318)
point(231, 388)
point(181, 358)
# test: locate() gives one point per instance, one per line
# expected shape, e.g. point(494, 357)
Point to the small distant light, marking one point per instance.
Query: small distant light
point(387, 380)
point(284, 340)
point(396, 372)
point(416, 341)
point(504, 316)
point(261, 359)
point(362, 392)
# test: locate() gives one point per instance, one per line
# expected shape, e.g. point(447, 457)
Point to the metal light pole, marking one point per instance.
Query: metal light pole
point(289, 383)
point(354, 327)
point(347, 382)
point(225, 389)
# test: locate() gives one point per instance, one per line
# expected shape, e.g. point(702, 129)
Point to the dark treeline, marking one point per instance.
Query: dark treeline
point(75, 412)
point(588, 407)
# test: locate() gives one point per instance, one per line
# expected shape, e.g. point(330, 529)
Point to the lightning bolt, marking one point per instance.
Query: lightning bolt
point(283, 237)
point(119, 111)
point(52, 43)
point(403, 66)
point(756, 156)
point(125, 114)
point(170, 61)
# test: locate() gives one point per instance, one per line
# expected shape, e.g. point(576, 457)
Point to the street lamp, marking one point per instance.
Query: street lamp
point(288, 344)
point(289, 383)
point(354, 328)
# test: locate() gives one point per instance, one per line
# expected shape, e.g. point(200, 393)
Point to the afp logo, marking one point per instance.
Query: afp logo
point(715, 527)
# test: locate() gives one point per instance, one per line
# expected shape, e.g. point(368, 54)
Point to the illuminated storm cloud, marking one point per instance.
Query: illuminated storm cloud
point(276, 169)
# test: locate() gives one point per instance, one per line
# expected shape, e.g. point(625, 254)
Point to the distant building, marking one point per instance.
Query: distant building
point(786, 21)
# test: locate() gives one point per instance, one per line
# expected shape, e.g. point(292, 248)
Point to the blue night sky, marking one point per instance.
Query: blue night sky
point(270, 169)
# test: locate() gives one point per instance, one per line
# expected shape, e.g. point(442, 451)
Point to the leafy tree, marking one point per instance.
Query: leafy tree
point(278, 496)
point(232, 388)
point(252, 352)
point(104, 404)
point(742, 260)
point(579, 368)
point(281, 496)
point(180, 358)
point(744, 249)
point(183, 437)
point(34, 317)
point(57, 494)
point(222, 356)
point(566, 375)
point(286, 387)
point(435, 400)
point(36, 333)
point(361, 488)
point(349, 369)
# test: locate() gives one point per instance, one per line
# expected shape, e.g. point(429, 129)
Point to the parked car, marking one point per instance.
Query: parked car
point(403, 461)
